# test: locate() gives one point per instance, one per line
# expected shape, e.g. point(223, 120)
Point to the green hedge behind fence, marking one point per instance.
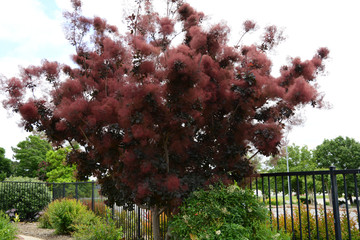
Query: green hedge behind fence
point(27, 198)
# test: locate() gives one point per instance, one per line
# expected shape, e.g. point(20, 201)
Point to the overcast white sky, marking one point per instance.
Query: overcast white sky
point(31, 30)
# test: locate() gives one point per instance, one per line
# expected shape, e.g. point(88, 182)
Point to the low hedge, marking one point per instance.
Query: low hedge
point(26, 196)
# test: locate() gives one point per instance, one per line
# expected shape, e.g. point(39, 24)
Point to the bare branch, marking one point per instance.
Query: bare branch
point(254, 155)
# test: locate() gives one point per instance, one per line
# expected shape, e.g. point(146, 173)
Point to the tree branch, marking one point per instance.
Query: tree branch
point(87, 139)
point(237, 44)
point(166, 153)
point(254, 155)
point(72, 146)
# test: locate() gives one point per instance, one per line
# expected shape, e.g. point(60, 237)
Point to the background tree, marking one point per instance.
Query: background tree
point(59, 170)
point(343, 153)
point(30, 153)
point(300, 159)
point(158, 120)
point(5, 165)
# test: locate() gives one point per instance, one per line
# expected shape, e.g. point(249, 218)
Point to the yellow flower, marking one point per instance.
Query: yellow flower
point(17, 218)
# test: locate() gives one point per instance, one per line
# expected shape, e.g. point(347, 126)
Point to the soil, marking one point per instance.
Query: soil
point(32, 229)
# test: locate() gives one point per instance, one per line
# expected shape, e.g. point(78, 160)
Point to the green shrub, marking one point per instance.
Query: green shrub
point(66, 213)
point(27, 195)
point(98, 229)
point(223, 213)
point(7, 229)
point(44, 220)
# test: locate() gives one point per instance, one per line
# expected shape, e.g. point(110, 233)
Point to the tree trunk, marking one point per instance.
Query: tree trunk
point(168, 234)
point(351, 199)
point(330, 195)
point(312, 197)
point(155, 222)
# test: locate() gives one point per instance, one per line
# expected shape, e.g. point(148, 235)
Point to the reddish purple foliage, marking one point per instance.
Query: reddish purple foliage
point(29, 112)
point(249, 25)
point(166, 26)
point(157, 121)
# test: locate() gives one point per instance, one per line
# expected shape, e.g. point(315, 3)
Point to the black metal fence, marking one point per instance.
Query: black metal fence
point(309, 205)
point(137, 224)
point(37, 195)
point(321, 204)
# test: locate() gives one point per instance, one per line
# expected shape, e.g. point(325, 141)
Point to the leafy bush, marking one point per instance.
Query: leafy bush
point(66, 213)
point(7, 229)
point(98, 229)
point(71, 216)
point(2, 176)
point(44, 220)
point(223, 213)
point(322, 221)
point(27, 195)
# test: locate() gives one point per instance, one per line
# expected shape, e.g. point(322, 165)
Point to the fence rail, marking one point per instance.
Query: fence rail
point(310, 205)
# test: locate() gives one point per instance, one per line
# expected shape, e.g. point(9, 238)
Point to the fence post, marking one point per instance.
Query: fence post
point(63, 190)
point(53, 191)
point(335, 202)
point(138, 223)
point(92, 196)
point(76, 191)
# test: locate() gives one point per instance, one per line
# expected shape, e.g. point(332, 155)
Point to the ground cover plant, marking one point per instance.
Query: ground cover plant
point(223, 213)
point(7, 229)
point(28, 196)
point(157, 120)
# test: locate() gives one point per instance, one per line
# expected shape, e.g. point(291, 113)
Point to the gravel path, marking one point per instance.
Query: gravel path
point(32, 229)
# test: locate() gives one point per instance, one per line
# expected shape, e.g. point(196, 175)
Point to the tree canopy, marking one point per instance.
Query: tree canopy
point(30, 153)
point(299, 158)
point(343, 153)
point(157, 120)
point(5, 165)
point(59, 170)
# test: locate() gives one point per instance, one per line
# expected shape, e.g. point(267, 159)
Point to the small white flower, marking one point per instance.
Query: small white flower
point(231, 189)
point(218, 232)
point(224, 210)
point(186, 218)
point(276, 236)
